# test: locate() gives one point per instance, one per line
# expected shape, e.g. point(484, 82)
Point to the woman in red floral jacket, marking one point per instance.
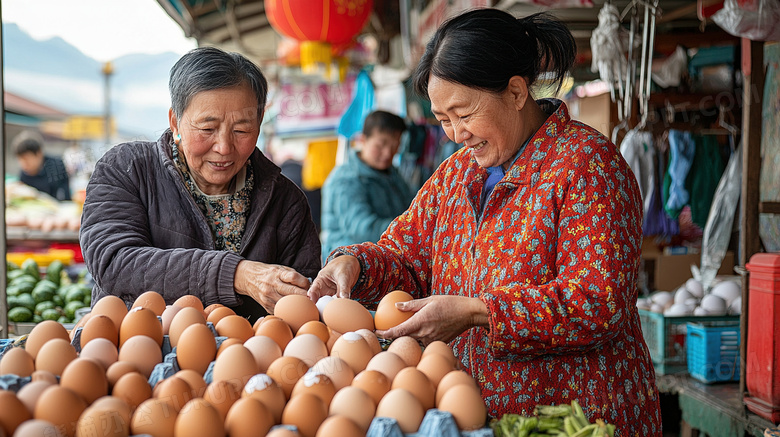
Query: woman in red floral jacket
point(522, 250)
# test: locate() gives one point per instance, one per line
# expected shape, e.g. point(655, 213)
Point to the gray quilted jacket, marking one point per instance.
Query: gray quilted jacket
point(141, 230)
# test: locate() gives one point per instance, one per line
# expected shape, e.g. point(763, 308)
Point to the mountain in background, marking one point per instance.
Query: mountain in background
point(55, 73)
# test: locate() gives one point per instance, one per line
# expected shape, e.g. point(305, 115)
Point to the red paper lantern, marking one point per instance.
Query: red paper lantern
point(318, 24)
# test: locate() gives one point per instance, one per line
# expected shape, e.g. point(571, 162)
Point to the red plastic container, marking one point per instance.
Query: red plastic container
point(762, 376)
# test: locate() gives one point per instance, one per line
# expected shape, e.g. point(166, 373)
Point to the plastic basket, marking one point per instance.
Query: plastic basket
point(713, 351)
point(665, 338)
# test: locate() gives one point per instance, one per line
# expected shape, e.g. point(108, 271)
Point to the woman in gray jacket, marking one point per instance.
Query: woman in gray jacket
point(201, 211)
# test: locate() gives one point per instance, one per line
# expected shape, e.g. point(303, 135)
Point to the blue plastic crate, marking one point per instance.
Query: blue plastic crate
point(713, 351)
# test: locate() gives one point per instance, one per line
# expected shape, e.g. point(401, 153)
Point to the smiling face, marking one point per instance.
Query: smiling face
point(491, 125)
point(219, 131)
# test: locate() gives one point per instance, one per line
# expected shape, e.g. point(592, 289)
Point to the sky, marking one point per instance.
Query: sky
point(101, 29)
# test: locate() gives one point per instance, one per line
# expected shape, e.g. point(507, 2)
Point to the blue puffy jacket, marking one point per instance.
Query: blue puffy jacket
point(359, 202)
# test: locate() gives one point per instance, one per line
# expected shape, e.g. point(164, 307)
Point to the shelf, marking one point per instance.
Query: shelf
point(18, 234)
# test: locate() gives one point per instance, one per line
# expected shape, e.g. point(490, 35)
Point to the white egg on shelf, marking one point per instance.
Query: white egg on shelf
point(727, 290)
point(735, 308)
point(644, 303)
point(676, 310)
point(657, 308)
point(694, 287)
point(663, 298)
point(692, 302)
point(699, 311)
point(682, 295)
point(714, 305)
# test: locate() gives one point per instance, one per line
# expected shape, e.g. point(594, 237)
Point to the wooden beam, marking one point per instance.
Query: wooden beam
point(769, 208)
point(749, 242)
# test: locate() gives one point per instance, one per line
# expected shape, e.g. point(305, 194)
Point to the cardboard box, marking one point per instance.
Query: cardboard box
point(667, 272)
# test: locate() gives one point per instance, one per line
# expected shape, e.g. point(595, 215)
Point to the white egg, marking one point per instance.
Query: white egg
point(682, 295)
point(699, 311)
point(643, 304)
point(735, 308)
point(727, 290)
point(657, 308)
point(694, 287)
point(663, 298)
point(676, 310)
point(692, 302)
point(714, 305)
point(321, 302)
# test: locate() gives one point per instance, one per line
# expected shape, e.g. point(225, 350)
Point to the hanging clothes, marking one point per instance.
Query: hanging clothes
point(639, 152)
point(656, 221)
point(703, 177)
point(681, 154)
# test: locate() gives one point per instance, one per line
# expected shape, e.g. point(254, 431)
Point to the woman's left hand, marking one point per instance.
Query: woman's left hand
point(439, 317)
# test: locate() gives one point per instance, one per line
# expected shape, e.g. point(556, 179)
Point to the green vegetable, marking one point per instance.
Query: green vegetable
point(23, 300)
point(31, 267)
point(552, 420)
point(75, 294)
point(13, 274)
point(20, 315)
point(13, 290)
point(43, 306)
point(10, 267)
point(44, 290)
point(51, 314)
point(71, 307)
point(64, 319)
point(54, 271)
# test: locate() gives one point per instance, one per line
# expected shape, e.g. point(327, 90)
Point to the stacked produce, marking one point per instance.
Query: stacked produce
point(29, 208)
point(552, 420)
point(186, 370)
point(725, 298)
point(35, 297)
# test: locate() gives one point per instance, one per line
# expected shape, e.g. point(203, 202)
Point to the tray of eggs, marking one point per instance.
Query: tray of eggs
point(309, 370)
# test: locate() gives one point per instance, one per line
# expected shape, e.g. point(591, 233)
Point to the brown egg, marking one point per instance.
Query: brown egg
point(133, 388)
point(466, 405)
point(373, 382)
point(443, 349)
point(174, 390)
point(332, 339)
point(387, 315)
point(317, 384)
point(218, 314)
point(195, 380)
point(435, 366)
point(451, 379)
point(199, 419)
point(104, 419)
point(269, 392)
point(12, 413)
point(111, 306)
point(336, 369)
point(308, 347)
point(209, 309)
point(295, 310)
point(235, 326)
point(416, 383)
point(37, 428)
point(142, 351)
point(354, 403)
point(388, 363)
point(167, 317)
point(30, 393)
point(80, 324)
point(248, 417)
point(17, 361)
point(354, 350)
point(55, 355)
point(191, 301)
point(117, 370)
point(371, 339)
point(235, 365)
point(276, 329)
point(182, 320)
point(197, 348)
point(264, 349)
point(62, 407)
point(86, 377)
point(140, 321)
point(404, 407)
point(151, 300)
point(306, 412)
point(154, 417)
point(101, 350)
point(42, 333)
point(339, 426)
point(407, 348)
point(286, 371)
point(44, 375)
point(347, 315)
point(226, 343)
point(260, 321)
point(222, 395)
point(317, 328)
point(99, 326)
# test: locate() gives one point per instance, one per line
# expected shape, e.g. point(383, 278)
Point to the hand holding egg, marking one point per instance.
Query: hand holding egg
point(336, 278)
point(267, 283)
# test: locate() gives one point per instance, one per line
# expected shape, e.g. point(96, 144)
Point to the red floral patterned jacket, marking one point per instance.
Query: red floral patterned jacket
point(555, 258)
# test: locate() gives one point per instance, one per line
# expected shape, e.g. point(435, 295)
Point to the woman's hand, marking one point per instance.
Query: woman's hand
point(337, 277)
point(267, 283)
point(439, 317)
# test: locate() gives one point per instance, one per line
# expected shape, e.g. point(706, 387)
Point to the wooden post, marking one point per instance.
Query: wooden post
point(3, 301)
point(749, 243)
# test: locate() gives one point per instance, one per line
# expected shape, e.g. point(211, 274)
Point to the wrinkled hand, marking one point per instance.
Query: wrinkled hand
point(336, 278)
point(267, 283)
point(439, 318)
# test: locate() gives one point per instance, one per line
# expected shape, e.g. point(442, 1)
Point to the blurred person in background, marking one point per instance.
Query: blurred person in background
point(201, 211)
point(361, 197)
point(45, 173)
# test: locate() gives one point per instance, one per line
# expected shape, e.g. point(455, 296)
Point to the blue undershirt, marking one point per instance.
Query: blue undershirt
point(495, 174)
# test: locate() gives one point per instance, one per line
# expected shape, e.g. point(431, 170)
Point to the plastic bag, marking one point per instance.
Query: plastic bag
point(717, 232)
point(756, 19)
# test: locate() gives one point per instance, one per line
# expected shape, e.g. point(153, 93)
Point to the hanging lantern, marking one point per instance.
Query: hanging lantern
point(318, 25)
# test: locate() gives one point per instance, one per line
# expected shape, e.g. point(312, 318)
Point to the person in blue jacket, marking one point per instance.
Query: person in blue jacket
point(362, 196)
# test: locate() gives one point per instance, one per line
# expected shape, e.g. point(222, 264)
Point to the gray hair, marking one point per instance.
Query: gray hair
point(210, 68)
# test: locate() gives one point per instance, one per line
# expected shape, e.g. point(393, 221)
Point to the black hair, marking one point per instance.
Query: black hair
point(210, 68)
point(484, 48)
point(29, 145)
point(383, 121)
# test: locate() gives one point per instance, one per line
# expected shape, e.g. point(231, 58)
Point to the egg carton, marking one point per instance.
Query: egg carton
point(435, 423)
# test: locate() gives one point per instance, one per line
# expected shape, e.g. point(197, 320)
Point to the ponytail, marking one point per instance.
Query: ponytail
point(557, 49)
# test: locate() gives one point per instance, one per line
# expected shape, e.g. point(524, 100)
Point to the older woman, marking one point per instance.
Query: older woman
point(523, 248)
point(201, 211)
